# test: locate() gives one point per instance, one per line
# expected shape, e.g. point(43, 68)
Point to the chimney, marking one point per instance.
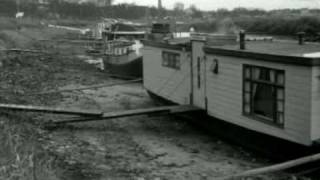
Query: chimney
point(159, 4)
point(242, 37)
point(301, 37)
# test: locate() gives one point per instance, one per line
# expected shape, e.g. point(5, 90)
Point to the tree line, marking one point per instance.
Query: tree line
point(63, 9)
point(278, 22)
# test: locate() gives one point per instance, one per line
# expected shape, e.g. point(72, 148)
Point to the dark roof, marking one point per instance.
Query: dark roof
point(122, 27)
point(288, 48)
point(287, 52)
point(173, 46)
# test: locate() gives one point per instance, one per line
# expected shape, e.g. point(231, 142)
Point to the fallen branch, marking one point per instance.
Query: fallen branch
point(90, 87)
point(274, 168)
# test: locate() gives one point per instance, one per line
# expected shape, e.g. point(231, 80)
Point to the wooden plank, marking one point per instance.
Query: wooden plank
point(274, 168)
point(129, 113)
point(14, 107)
point(184, 109)
point(89, 87)
point(24, 50)
point(118, 76)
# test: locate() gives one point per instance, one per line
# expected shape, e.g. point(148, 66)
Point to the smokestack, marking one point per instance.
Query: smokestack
point(301, 37)
point(242, 37)
point(159, 4)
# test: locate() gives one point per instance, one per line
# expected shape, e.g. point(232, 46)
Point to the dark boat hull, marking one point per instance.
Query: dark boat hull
point(260, 143)
point(124, 66)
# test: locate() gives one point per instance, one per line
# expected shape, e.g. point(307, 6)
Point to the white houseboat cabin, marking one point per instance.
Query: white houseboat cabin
point(269, 87)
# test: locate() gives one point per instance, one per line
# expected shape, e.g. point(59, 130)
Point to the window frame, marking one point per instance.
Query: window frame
point(171, 60)
point(275, 121)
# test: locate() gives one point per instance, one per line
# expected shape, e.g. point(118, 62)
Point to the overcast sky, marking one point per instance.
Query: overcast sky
point(230, 4)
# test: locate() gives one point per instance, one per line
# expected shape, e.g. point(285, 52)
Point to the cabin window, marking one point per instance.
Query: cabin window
point(171, 60)
point(263, 94)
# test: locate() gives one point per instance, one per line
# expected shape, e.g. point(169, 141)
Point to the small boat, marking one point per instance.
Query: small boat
point(119, 46)
point(122, 57)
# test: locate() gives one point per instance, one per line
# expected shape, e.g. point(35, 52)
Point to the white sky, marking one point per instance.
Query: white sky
point(230, 4)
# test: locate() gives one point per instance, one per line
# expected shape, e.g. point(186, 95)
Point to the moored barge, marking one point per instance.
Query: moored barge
point(262, 94)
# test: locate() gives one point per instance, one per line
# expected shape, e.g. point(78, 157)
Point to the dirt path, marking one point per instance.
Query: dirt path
point(140, 147)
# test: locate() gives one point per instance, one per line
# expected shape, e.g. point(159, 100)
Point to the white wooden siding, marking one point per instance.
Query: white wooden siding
point(224, 93)
point(167, 82)
point(315, 116)
point(198, 92)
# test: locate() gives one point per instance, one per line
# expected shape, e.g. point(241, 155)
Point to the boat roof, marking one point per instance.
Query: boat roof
point(285, 52)
point(179, 41)
point(129, 32)
point(120, 43)
point(287, 48)
point(288, 52)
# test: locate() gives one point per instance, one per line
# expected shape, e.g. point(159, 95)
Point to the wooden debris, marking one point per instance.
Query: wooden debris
point(90, 87)
point(75, 41)
point(14, 107)
point(136, 112)
point(23, 51)
point(274, 168)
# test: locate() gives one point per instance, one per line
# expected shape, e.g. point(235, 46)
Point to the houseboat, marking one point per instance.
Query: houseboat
point(123, 57)
point(116, 29)
point(262, 94)
point(119, 45)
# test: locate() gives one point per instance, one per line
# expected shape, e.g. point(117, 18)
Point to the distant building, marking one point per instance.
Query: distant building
point(33, 1)
point(99, 3)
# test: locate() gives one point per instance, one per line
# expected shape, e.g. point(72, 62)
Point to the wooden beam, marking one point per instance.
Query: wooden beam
point(24, 50)
point(73, 41)
point(274, 168)
point(89, 87)
point(118, 76)
point(129, 113)
point(14, 107)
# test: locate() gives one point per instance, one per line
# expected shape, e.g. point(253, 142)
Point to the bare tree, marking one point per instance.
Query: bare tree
point(178, 6)
point(195, 12)
point(178, 9)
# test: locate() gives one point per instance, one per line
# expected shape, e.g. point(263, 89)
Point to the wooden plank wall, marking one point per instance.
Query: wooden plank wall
point(167, 82)
point(224, 92)
point(315, 116)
